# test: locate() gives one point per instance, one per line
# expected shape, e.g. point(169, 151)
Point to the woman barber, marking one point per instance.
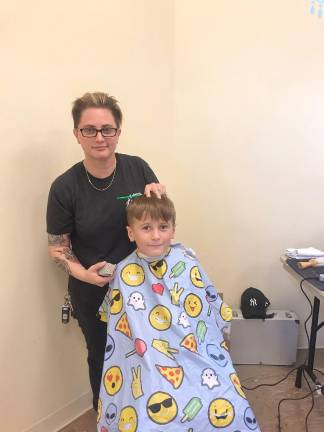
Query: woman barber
point(86, 216)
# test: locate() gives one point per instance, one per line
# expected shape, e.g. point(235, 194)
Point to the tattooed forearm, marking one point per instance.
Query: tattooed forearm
point(66, 255)
point(57, 240)
point(69, 255)
point(62, 264)
point(61, 251)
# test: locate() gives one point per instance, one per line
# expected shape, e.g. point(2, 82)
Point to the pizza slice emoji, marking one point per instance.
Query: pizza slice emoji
point(189, 342)
point(172, 374)
point(123, 326)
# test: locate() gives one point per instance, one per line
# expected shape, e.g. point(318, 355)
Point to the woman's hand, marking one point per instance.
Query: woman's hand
point(157, 188)
point(59, 247)
point(92, 276)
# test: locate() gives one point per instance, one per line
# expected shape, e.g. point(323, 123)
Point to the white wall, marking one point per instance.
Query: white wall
point(249, 141)
point(51, 53)
point(226, 102)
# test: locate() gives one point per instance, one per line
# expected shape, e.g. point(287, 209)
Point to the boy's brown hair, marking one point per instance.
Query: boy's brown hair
point(96, 100)
point(155, 208)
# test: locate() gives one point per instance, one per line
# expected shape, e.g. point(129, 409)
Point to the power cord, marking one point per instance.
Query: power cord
point(310, 304)
point(300, 398)
point(311, 393)
point(270, 385)
point(313, 402)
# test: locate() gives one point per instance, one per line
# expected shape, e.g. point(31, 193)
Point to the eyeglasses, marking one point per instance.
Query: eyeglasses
point(90, 132)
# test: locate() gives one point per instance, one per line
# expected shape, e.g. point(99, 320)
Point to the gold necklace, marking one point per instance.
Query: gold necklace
point(106, 187)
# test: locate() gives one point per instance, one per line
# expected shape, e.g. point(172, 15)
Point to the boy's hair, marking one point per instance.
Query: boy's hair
point(155, 208)
point(96, 100)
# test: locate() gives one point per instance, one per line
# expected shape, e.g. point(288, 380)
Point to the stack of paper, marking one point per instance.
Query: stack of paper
point(304, 253)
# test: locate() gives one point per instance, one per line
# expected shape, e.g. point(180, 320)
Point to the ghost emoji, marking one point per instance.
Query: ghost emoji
point(209, 378)
point(183, 320)
point(136, 300)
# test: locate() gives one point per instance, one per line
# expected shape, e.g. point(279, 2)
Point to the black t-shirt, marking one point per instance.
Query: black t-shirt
point(96, 220)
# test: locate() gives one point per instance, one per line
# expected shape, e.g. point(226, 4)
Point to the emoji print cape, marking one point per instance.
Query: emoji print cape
point(166, 365)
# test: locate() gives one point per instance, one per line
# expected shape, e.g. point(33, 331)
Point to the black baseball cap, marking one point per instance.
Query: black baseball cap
point(254, 304)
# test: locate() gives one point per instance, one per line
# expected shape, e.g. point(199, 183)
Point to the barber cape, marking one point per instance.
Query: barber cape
point(166, 365)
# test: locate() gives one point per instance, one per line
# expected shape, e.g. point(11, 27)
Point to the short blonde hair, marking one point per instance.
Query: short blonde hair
point(96, 100)
point(156, 208)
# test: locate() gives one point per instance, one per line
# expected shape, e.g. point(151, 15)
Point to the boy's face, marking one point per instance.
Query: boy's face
point(153, 237)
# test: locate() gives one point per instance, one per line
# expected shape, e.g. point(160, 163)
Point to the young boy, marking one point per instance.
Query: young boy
point(166, 363)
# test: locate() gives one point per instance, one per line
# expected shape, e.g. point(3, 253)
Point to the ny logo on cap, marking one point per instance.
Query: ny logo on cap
point(253, 302)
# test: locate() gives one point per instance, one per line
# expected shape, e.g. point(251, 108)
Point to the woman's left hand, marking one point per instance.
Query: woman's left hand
point(157, 188)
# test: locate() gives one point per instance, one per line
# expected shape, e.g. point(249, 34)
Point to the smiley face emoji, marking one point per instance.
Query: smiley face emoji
point(226, 312)
point(221, 413)
point(133, 275)
point(158, 268)
point(160, 318)
point(116, 302)
point(128, 420)
point(196, 278)
point(113, 380)
point(236, 382)
point(192, 305)
point(161, 408)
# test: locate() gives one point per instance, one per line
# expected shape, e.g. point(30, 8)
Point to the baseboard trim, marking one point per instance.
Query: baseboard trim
point(304, 348)
point(62, 417)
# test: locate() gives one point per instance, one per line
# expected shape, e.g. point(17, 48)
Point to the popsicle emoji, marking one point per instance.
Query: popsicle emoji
point(179, 268)
point(140, 348)
point(201, 331)
point(191, 409)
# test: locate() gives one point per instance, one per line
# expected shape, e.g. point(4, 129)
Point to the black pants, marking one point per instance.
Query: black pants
point(86, 300)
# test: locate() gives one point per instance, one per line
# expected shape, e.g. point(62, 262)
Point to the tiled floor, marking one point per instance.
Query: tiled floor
point(263, 400)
